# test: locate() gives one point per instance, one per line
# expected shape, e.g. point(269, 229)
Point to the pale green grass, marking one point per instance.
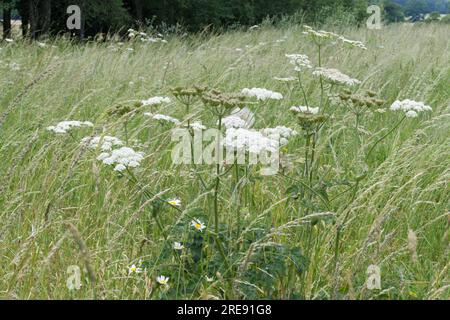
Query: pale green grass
point(47, 181)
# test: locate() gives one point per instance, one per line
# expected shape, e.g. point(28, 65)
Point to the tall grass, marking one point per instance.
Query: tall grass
point(61, 207)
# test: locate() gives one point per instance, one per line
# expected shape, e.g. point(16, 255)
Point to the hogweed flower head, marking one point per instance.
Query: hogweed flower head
point(280, 132)
point(65, 126)
point(262, 94)
point(122, 158)
point(336, 77)
point(188, 96)
point(250, 141)
point(233, 122)
point(163, 118)
point(368, 99)
point(155, 101)
point(304, 109)
point(286, 79)
point(300, 61)
point(220, 102)
point(106, 143)
point(319, 36)
point(410, 107)
point(352, 43)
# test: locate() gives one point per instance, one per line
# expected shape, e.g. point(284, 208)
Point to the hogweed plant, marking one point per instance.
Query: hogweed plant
point(269, 183)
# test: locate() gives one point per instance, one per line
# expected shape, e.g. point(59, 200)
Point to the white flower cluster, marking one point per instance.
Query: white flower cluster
point(132, 34)
point(410, 107)
point(335, 76)
point(300, 61)
point(281, 133)
point(352, 43)
point(65, 126)
point(287, 79)
point(162, 117)
point(233, 122)
point(106, 143)
point(122, 158)
point(319, 34)
point(246, 115)
point(197, 126)
point(262, 94)
point(250, 141)
point(155, 101)
point(303, 109)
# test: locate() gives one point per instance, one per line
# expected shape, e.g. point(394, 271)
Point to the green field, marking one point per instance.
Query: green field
point(359, 189)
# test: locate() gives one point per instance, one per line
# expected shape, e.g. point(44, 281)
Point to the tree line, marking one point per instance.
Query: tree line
point(43, 17)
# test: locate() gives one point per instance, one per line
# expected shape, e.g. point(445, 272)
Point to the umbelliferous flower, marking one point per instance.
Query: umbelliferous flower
point(300, 61)
point(162, 117)
point(304, 109)
point(155, 101)
point(280, 133)
point(197, 126)
point(262, 94)
point(352, 43)
point(410, 107)
point(122, 158)
point(250, 141)
point(246, 115)
point(286, 79)
point(106, 143)
point(335, 76)
point(320, 34)
point(65, 126)
point(233, 122)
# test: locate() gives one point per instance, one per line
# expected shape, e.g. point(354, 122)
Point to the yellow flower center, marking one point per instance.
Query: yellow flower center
point(198, 226)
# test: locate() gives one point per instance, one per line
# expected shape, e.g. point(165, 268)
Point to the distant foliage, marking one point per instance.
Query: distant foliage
point(193, 15)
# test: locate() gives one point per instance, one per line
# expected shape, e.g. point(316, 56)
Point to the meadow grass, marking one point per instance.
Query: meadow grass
point(60, 207)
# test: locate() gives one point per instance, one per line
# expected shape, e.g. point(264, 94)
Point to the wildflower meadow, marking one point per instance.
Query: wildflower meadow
point(278, 162)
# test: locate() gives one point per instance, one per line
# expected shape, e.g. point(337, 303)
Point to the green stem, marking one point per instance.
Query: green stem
point(383, 137)
point(217, 184)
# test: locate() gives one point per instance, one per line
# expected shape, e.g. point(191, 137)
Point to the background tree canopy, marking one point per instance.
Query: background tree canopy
point(45, 16)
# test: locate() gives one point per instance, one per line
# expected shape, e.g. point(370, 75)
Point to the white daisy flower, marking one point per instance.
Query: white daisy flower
point(176, 202)
point(198, 225)
point(134, 269)
point(162, 280)
point(178, 246)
